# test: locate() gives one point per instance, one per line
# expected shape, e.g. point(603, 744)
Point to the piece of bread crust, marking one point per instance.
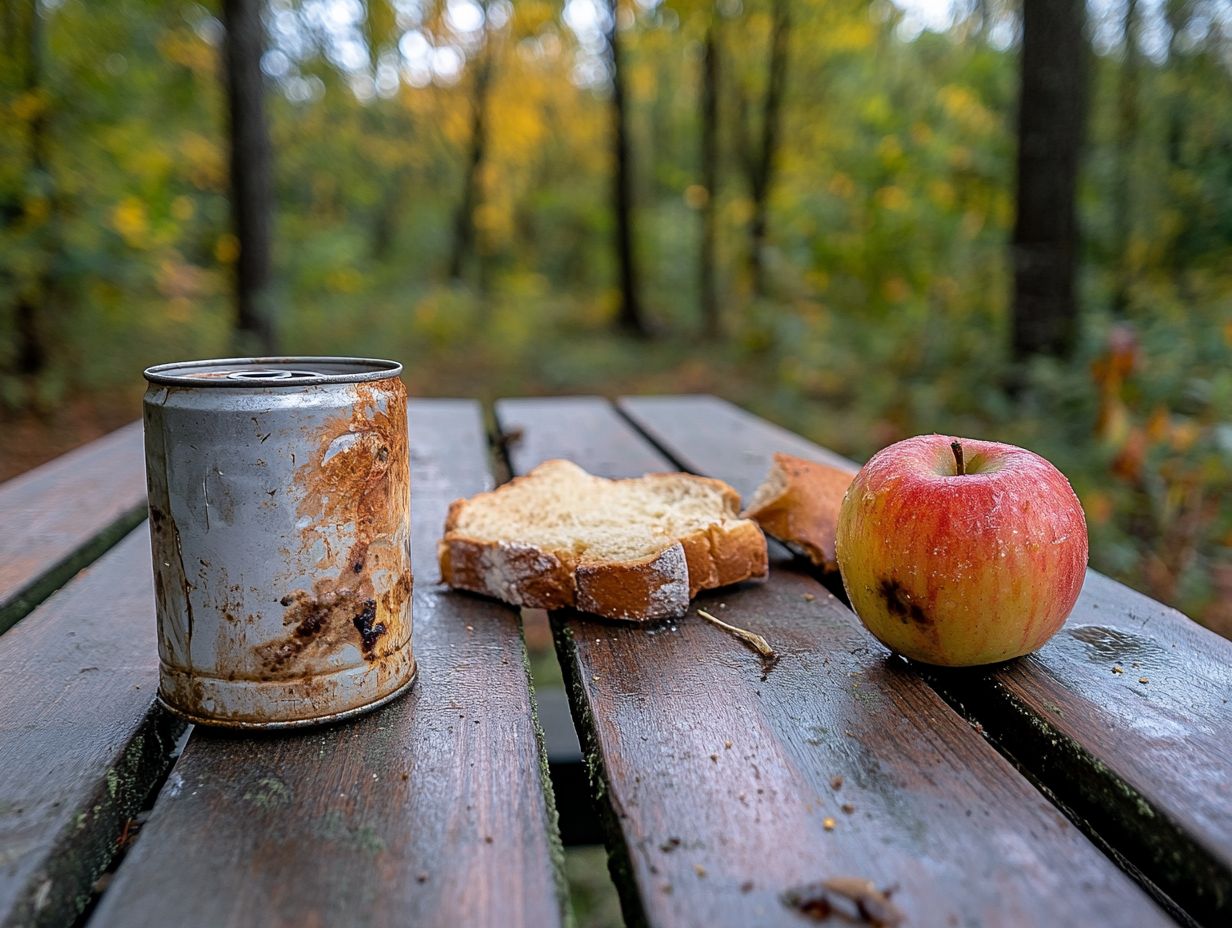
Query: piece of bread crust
point(657, 585)
point(798, 504)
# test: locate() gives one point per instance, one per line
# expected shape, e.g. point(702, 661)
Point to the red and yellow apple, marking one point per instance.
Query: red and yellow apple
point(959, 552)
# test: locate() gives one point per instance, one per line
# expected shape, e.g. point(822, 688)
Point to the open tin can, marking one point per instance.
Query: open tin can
point(280, 527)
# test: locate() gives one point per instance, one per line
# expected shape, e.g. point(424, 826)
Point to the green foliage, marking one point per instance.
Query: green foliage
point(889, 217)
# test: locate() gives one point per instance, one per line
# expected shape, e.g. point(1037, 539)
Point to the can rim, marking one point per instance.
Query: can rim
point(198, 718)
point(378, 369)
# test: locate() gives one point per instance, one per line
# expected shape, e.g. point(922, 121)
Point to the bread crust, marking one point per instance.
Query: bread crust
point(522, 575)
point(802, 510)
point(655, 587)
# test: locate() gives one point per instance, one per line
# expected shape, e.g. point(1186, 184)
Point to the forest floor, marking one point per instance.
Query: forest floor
point(33, 438)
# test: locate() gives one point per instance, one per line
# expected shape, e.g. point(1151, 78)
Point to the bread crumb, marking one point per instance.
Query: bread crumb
point(1116, 668)
point(828, 824)
point(1143, 680)
point(836, 782)
point(701, 871)
point(847, 808)
point(808, 597)
point(715, 758)
point(727, 745)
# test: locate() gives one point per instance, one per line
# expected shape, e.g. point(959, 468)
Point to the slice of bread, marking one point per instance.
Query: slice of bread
point(635, 549)
point(798, 504)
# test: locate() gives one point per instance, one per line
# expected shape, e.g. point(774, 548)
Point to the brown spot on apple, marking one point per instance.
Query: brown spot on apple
point(898, 601)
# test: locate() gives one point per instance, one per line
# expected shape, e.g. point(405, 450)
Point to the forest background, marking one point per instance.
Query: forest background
point(863, 220)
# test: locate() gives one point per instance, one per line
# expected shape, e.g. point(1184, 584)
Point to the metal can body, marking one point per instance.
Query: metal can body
point(280, 530)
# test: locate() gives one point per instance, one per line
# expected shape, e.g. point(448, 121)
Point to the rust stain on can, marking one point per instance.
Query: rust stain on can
point(359, 475)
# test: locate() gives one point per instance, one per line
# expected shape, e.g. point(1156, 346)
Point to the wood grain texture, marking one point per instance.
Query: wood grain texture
point(430, 811)
point(58, 518)
point(81, 745)
point(725, 789)
point(1146, 768)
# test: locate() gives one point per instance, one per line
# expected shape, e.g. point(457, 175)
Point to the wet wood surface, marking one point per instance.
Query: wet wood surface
point(1124, 718)
point(81, 745)
point(725, 786)
point(430, 811)
point(57, 518)
point(721, 791)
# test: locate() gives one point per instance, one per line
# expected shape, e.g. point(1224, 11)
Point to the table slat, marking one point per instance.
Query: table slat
point(1145, 767)
point(724, 789)
point(58, 518)
point(434, 810)
point(80, 744)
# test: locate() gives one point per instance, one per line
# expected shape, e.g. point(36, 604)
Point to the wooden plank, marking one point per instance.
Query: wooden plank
point(58, 518)
point(1143, 767)
point(81, 746)
point(725, 789)
point(431, 811)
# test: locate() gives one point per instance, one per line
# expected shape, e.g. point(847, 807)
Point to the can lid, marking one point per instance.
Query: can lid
point(271, 372)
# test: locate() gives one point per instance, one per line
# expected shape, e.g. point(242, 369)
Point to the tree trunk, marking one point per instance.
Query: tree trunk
point(385, 224)
point(464, 222)
point(762, 174)
point(1176, 15)
point(711, 322)
point(983, 10)
point(31, 350)
point(1051, 122)
point(251, 195)
point(1127, 132)
point(1178, 79)
point(630, 317)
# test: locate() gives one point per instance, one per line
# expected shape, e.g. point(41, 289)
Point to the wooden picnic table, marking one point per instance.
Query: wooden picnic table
point(1047, 791)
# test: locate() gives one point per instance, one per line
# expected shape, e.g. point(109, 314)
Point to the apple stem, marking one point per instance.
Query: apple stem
point(959, 469)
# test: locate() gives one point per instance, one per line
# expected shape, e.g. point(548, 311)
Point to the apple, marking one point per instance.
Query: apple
point(959, 552)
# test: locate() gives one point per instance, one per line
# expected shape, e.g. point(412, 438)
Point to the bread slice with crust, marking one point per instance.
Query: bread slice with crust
point(635, 549)
point(798, 504)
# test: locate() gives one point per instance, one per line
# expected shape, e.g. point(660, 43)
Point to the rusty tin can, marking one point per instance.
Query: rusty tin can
point(280, 527)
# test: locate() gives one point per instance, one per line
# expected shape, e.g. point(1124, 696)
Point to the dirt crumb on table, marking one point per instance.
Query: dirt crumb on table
point(851, 899)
